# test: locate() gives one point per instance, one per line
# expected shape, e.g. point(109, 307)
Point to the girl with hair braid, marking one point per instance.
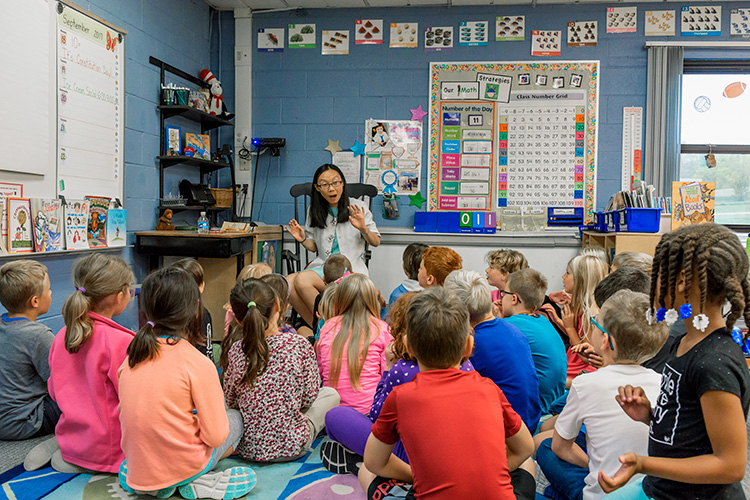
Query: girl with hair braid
point(697, 438)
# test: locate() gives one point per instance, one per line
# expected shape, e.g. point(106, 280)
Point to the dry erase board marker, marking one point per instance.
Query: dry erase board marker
point(62, 185)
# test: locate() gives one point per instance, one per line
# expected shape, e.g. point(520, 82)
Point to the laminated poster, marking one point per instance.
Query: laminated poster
point(659, 23)
point(510, 28)
point(701, 21)
point(438, 38)
point(472, 33)
point(20, 225)
point(545, 43)
point(404, 35)
point(75, 224)
point(739, 23)
point(350, 165)
point(692, 203)
point(117, 227)
point(393, 155)
point(47, 214)
point(368, 31)
point(622, 19)
point(97, 226)
point(301, 36)
point(271, 40)
point(582, 34)
point(335, 42)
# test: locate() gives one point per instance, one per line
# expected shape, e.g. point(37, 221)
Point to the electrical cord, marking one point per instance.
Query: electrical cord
point(244, 153)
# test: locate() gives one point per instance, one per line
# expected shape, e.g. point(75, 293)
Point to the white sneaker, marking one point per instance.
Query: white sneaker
point(225, 485)
point(41, 454)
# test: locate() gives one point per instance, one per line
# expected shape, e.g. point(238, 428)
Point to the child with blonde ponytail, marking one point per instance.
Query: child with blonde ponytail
point(84, 359)
point(272, 378)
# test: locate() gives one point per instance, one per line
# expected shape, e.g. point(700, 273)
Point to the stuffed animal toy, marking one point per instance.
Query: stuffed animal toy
point(165, 221)
point(216, 105)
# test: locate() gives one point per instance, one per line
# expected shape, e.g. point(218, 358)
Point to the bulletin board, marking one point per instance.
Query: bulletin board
point(513, 134)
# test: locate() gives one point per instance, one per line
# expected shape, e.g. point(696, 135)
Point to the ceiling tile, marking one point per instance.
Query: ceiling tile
point(342, 3)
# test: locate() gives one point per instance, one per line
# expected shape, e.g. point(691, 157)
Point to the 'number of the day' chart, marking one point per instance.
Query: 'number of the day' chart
point(513, 135)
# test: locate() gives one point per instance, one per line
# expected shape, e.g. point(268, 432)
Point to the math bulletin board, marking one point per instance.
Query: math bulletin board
point(517, 134)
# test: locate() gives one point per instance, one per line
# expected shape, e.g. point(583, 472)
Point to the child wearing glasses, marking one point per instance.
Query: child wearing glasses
point(522, 297)
point(623, 338)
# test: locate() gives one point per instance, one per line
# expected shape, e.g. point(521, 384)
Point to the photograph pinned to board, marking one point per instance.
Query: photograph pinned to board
point(97, 227)
point(494, 87)
point(541, 80)
point(659, 23)
point(700, 21)
point(558, 82)
point(582, 34)
point(76, 224)
point(393, 148)
point(368, 31)
point(510, 28)
point(117, 227)
point(545, 43)
point(472, 33)
point(20, 223)
point(622, 19)
point(438, 38)
point(739, 23)
point(576, 80)
point(335, 43)
point(7, 189)
point(301, 36)
point(47, 214)
point(404, 35)
point(271, 40)
point(350, 165)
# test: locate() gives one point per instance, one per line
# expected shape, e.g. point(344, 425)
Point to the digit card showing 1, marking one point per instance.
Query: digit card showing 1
point(582, 34)
point(701, 21)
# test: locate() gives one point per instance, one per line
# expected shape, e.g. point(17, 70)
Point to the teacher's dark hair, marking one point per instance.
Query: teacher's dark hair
point(319, 205)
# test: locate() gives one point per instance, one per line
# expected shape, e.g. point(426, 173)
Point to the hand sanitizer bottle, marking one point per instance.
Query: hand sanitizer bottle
point(203, 224)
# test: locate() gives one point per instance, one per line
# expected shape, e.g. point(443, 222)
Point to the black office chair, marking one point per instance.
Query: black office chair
point(292, 261)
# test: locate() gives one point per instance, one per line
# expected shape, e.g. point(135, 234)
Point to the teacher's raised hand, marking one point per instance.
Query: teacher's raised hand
point(297, 232)
point(357, 217)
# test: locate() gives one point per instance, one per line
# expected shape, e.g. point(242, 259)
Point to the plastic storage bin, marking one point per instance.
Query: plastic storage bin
point(605, 222)
point(638, 220)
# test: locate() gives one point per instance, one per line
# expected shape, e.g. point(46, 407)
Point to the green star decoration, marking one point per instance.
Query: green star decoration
point(333, 146)
point(416, 199)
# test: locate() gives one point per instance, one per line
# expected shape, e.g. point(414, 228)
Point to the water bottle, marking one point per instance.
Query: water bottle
point(203, 224)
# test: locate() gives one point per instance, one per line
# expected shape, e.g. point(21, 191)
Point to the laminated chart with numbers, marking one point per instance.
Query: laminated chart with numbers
point(541, 149)
point(538, 149)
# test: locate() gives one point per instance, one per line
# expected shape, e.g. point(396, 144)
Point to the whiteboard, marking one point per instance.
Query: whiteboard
point(66, 134)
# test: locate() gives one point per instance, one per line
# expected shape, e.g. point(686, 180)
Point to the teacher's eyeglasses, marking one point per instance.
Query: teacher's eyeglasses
point(609, 337)
point(323, 186)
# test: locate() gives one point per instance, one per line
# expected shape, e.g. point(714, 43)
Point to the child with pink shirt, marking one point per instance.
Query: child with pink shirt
point(175, 431)
point(83, 361)
point(352, 344)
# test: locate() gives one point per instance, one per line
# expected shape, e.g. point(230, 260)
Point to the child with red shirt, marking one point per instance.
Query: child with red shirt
point(446, 417)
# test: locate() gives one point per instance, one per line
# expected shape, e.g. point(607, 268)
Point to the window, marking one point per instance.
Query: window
point(715, 107)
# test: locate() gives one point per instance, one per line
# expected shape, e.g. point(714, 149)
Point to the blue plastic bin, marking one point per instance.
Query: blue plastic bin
point(639, 220)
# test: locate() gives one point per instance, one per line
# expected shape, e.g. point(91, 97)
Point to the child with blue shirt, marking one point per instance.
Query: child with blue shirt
point(411, 259)
point(522, 297)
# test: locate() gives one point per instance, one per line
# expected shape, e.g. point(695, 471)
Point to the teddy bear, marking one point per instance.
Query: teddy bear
point(165, 221)
point(216, 105)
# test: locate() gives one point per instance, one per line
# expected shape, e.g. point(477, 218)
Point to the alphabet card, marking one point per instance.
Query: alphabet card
point(582, 34)
point(271, 40)
point(335, 42)
point(404, 35)
point(438, 38)
point(739, 23)
point(472, 33)
point(659, 23)
point(301, 36)
point(701, 21)
point(368, 31)
point(510, 28)
point(622, 19)
point(545, 43)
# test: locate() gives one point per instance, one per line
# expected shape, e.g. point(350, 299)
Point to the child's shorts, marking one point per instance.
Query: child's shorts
point(382, 488)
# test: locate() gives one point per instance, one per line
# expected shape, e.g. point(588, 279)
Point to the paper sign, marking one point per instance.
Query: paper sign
point(659, 23)
point(472, 33)
point(404, 35)
point(349, 165)
point(301, 36)
point(438, 38)
point(545, 43)
point(335, 42)
point(739, 22)
point(622, 19)
point(510, 28)
point(582, 34)
point(494, 87)
point(462, 90)
point(368, 31)
point(701, 21)
point(271, 40)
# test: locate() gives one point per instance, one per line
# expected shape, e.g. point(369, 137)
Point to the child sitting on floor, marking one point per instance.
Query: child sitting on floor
point(522, 297)
point(351, 347)
point(500, 263)
point(26, 409)
point(639, 260)
point(411, 261)
point(273, 380)
point(256, 271)
point(195, 270)
point(175, 428)
point(624, 339)
point(335, 266)
point(462, 436)
point(437, 263)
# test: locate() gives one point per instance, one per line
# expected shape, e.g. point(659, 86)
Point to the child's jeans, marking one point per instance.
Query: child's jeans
point(567, 479)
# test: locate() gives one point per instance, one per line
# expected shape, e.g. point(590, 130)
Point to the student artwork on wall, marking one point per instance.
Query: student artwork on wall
point(739, 23)
point(96, 230)
point(404, 35)
point(437, 39)
point(20, 224)
point(538, 149)
point(271, 40)
point(47, 214)
point(335, 42)
point(701, 21)
point(659, 23)
point(622, 19)
point(117, 227)
point(582, 34)
point(510, 28)
point(301, 36)
point(692, 203)
point(472, 33)
point(545, 43)
point(368, 31)
point(393, 155)
point(75, 223)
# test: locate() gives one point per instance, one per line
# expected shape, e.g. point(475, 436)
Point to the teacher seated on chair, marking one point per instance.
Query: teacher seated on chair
point(335, 224)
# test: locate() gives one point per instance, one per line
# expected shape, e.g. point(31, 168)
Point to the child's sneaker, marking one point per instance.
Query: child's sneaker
point(122, 477)
point(41, 454)
point(339, 459)
point(228, 484)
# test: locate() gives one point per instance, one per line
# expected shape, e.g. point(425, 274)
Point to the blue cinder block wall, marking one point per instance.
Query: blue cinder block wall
point(308, 98)
point(185, 34)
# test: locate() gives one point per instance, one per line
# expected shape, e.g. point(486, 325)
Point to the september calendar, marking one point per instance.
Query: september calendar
point(537, 150)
